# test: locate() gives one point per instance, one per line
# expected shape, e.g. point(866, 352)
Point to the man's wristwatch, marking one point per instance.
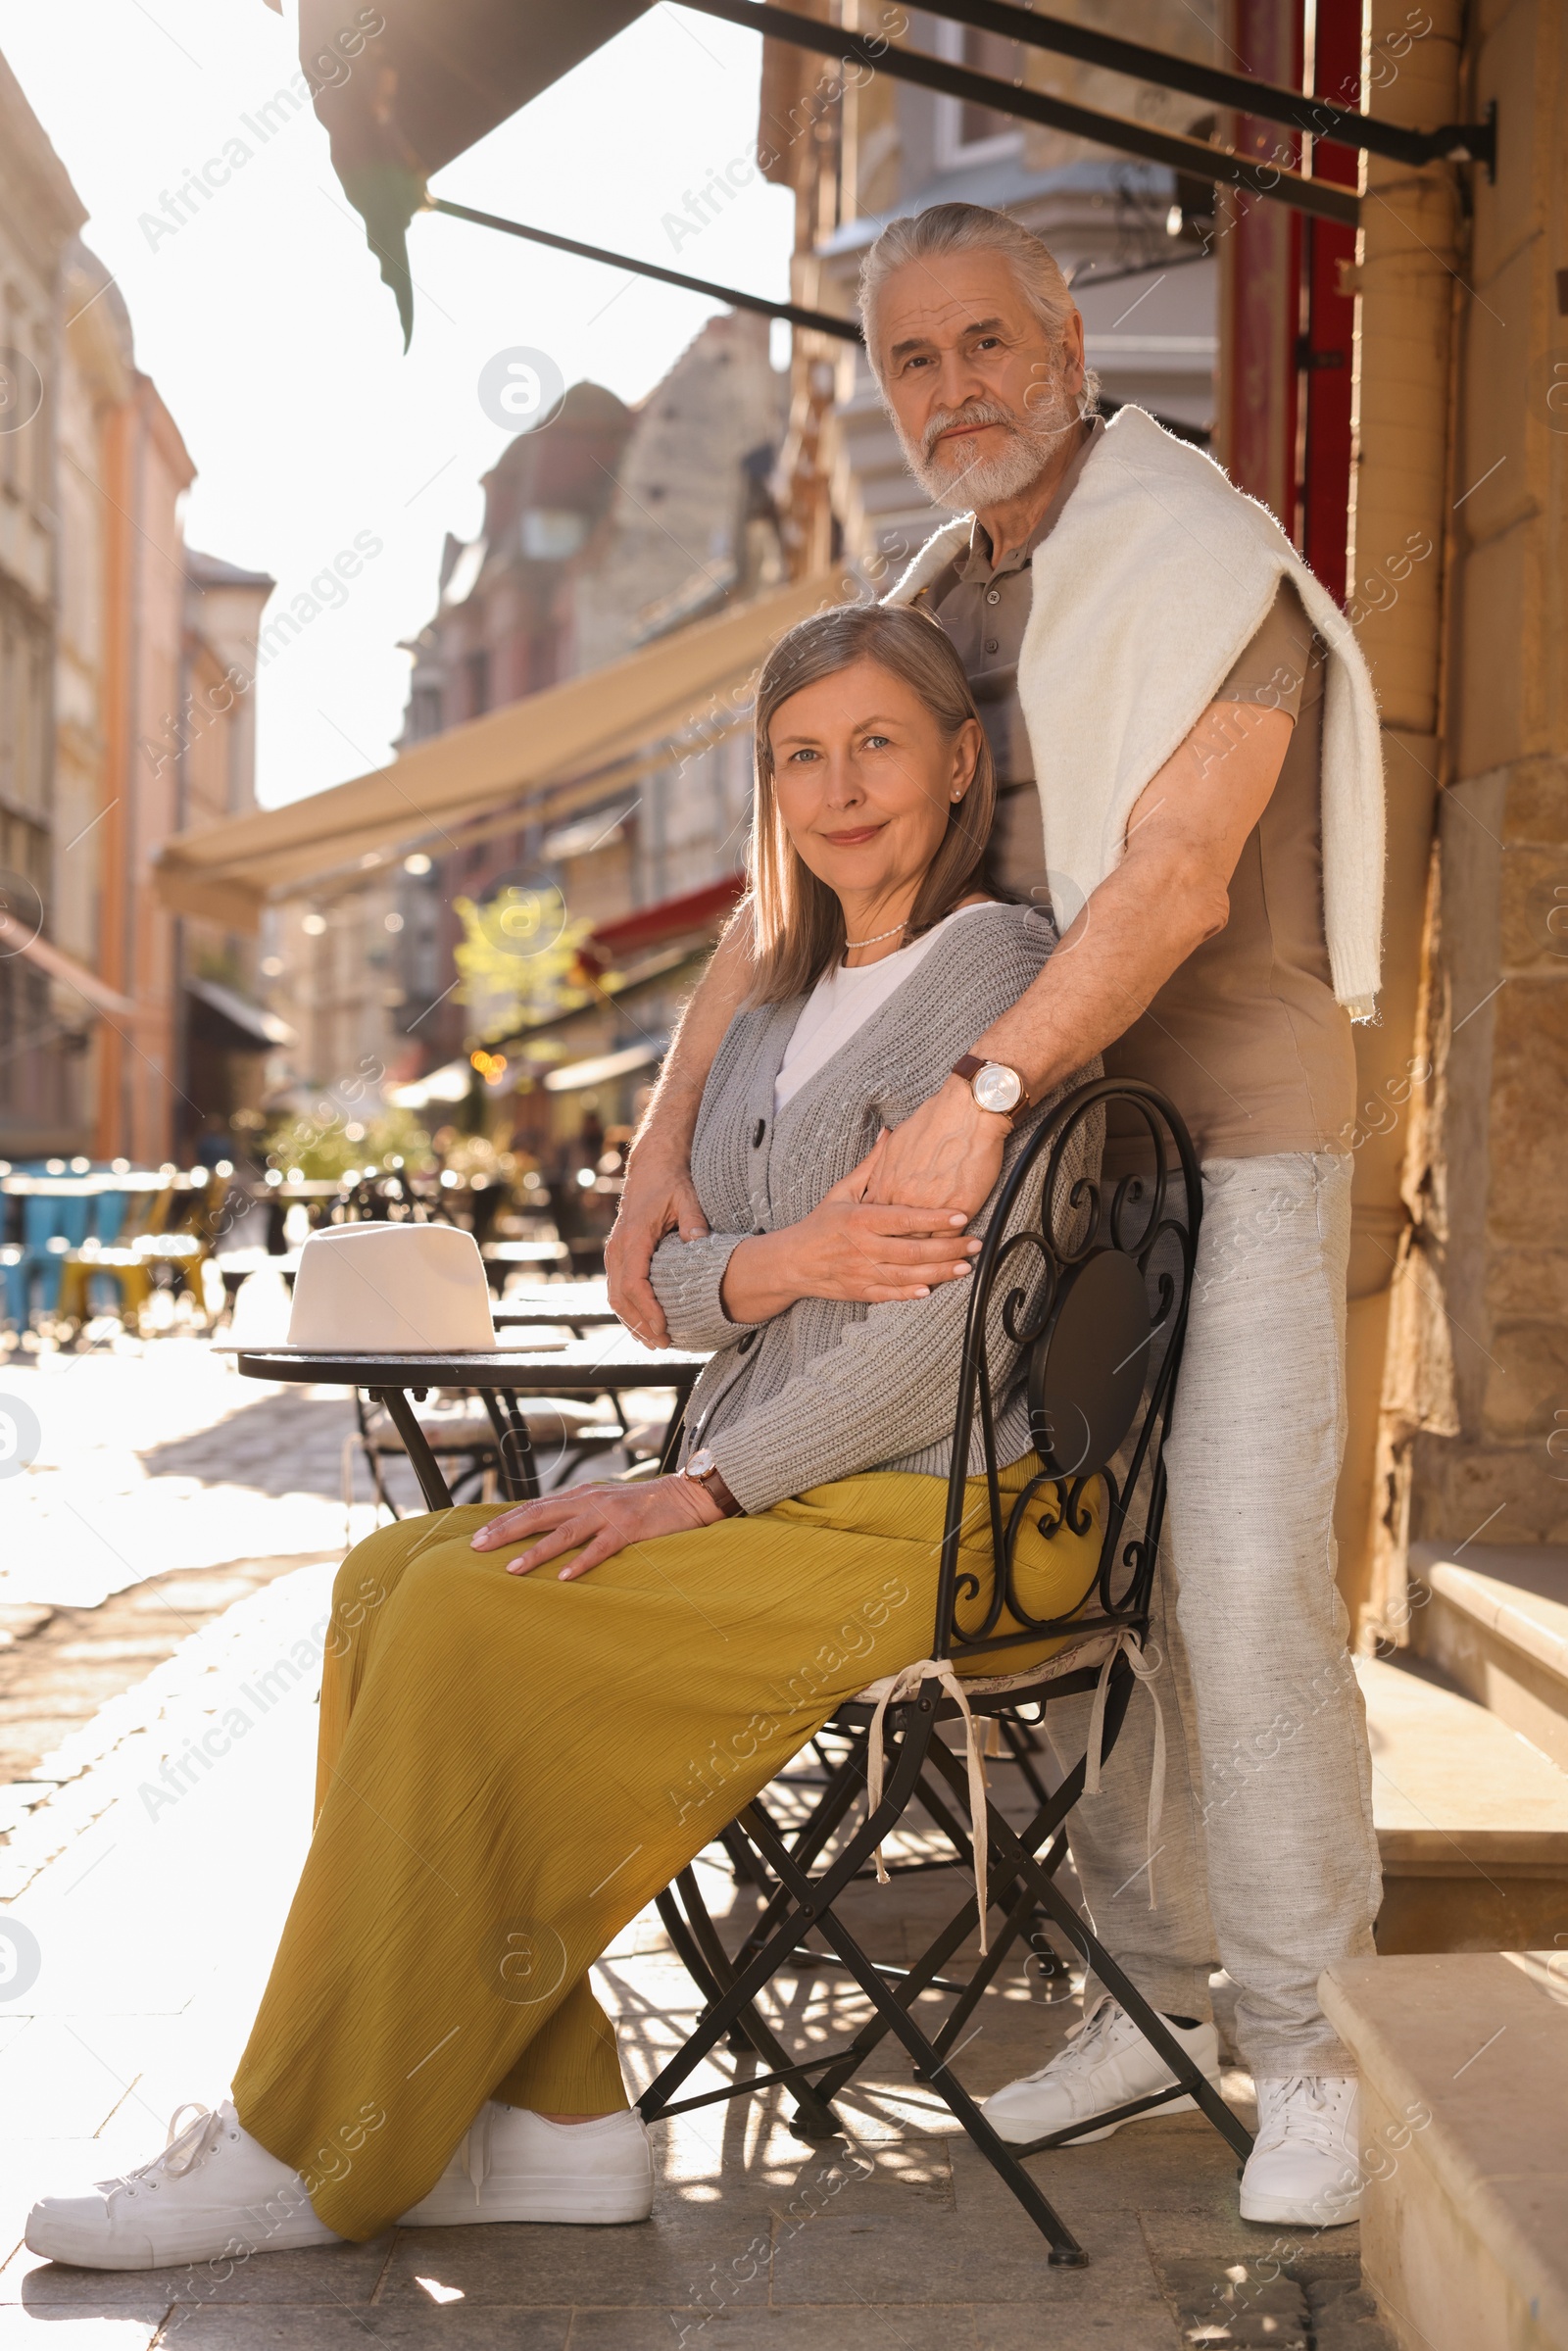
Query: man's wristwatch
point(703, 1470)
point(995, 1087)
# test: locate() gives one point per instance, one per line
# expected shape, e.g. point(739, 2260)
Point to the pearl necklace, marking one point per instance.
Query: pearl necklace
point(849, 945)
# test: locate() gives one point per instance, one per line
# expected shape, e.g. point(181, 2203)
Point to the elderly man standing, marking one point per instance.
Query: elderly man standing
point(1186, 741)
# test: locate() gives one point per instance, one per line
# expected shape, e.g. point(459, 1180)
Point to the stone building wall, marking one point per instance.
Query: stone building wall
point(1480, 1447)
point(658, 517)
point(43, 1100)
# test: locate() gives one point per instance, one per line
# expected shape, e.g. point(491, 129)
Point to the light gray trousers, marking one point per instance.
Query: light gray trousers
point(1266, 1860)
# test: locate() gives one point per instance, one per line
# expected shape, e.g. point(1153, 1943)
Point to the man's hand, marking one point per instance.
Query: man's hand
point(847, 1247)
point(947, 1154)
point(1166, 896)
point(657, 1198)
point(597, 1521)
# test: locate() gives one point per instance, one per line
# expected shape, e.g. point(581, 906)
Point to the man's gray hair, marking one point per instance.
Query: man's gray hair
point(967, 228)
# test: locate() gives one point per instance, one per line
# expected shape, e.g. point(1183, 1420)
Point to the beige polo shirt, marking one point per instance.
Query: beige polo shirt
point(1246, 1038)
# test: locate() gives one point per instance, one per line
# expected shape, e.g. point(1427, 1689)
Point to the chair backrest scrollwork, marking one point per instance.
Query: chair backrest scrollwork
point(1090, 1277)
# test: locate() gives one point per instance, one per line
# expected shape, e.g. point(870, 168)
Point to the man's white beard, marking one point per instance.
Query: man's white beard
point(964, 478)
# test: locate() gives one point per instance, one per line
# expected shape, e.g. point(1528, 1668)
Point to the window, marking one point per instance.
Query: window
point(550, 534)
point(424, 712)
point(968, 133)
point(476, 673)
point(10, 398)
point(24, 688)
point(546, 657)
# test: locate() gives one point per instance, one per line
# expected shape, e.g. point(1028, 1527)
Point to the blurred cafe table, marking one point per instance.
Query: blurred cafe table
point(236, 1263)
point(539, 1255)
point(609, 1364)
point(577, 1305)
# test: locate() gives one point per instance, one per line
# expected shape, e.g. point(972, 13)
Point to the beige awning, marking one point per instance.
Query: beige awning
point(17, 939)
point(263, 1028)
point(448, 1084)
point(549, 751)
point(605, 1067)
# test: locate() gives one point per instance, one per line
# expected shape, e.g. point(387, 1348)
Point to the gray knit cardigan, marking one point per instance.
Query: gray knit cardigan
point(828, 1388)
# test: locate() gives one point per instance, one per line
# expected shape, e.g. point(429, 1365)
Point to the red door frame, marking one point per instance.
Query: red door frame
point(1287, 314)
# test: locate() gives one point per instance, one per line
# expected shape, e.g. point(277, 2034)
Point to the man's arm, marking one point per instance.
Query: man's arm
point(658, 1198)
point(1167, 896)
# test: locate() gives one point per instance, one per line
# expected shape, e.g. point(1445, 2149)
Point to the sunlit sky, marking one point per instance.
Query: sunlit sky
point(274, 344)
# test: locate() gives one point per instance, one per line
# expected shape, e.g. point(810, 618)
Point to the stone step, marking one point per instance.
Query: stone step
point(1471, 1820)
point(1496, 1617)
point(1464, 2133)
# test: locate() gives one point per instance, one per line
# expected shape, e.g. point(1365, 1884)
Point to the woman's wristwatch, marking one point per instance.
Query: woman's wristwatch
point(703, 1470)
point(995, 1086)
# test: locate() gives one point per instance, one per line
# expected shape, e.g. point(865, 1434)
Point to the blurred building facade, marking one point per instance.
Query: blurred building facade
point(605, 530)
point(126, 711)
point(43, 1025)
point(227, 1039)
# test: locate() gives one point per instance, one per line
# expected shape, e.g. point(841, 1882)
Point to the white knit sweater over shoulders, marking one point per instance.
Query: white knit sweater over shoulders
point(1157, 577)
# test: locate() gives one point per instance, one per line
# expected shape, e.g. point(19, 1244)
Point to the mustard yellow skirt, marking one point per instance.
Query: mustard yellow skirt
point(511, 1767)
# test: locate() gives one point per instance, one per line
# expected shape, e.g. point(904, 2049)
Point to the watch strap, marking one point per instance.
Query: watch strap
point(713, 1484)
point(711, 1480)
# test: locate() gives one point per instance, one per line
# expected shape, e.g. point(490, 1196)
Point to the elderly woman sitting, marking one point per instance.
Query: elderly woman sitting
point(513, 1763)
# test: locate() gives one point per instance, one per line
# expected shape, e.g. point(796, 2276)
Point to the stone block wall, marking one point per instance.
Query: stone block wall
point(1487, 1177)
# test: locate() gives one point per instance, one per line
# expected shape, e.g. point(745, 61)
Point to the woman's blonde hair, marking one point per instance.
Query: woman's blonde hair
point(797, 922)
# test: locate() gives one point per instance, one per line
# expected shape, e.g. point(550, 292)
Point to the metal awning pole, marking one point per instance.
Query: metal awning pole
point(822, 321)
point(1323, 197)
point(1319, 118)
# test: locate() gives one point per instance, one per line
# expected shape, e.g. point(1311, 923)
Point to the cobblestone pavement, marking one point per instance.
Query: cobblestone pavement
point(146, 1879)
point(157, 1455)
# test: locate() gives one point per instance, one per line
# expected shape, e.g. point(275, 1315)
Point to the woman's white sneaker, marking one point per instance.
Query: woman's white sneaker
point(1106, 2064)
point(1304, 2168)
point(214, 2191)
point(512, 2165)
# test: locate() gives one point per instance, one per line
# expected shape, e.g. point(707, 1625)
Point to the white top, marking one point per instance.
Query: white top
point(843, 1000)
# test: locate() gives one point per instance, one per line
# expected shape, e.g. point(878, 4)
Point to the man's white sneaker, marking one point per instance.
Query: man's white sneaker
point(512, 2165)
point(1106, 2064)
point(214, 2191)
point(1304, 2168)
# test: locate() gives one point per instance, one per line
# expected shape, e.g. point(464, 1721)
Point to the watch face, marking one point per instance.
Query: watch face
point(998, 1088)
point(702, 1463)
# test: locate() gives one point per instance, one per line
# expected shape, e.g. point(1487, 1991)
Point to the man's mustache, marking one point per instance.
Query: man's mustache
point(972, 412)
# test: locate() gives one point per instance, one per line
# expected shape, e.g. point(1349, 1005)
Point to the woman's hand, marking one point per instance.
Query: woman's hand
point(847, 1247)
point(604, 1518)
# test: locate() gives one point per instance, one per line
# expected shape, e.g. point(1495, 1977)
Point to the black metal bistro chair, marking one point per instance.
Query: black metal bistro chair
point(1095, 1287)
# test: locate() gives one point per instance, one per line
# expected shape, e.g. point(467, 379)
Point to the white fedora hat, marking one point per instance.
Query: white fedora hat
point(391, 1290)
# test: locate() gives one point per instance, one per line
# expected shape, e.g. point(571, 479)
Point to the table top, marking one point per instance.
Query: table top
point(575, 1367)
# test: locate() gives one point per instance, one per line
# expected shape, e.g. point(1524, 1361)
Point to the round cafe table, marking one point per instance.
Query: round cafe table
point(609, 1364)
